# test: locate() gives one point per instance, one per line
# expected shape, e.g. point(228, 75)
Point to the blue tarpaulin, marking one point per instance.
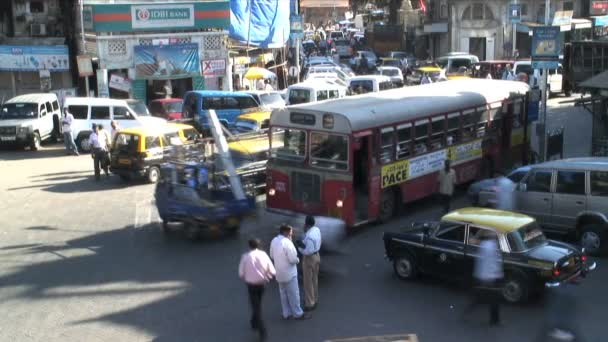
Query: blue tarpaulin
point(263, 23)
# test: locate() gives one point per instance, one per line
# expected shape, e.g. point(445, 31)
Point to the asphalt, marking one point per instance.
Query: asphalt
point(86, 261)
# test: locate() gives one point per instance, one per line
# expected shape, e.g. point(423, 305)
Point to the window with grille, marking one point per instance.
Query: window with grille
point(212, 42)
point(117, 47)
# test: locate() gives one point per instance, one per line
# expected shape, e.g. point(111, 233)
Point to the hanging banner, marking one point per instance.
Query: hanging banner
point(164, 62)
point(85, 65)
point(34, 58)
point(120, 83)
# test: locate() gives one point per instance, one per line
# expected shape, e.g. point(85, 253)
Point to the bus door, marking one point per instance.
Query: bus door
point(361, 175)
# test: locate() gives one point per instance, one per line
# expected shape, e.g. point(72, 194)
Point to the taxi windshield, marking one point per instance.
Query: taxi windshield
point(526, 238)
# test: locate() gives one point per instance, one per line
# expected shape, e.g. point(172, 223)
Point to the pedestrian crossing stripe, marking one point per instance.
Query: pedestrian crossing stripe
point(380, 338)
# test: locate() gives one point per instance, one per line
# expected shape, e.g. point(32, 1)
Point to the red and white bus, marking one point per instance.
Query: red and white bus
point(358, 157)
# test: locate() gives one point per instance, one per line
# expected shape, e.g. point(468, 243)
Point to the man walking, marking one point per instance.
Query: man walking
point(488, 274)
point(310, 246)
point(446, 179)
point(256, 270)
point(68, 138)
point(285, 257)
point(98, 142)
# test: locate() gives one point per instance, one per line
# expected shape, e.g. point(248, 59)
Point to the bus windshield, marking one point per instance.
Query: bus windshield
point(329, 151)
point(288, 144)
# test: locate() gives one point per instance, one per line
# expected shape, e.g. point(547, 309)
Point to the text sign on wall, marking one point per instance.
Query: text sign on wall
point(155, 16)
point(598, 7)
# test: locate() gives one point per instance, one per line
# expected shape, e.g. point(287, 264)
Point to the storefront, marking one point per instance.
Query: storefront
point(33, 69)
point(150, 51)
point(600, 27)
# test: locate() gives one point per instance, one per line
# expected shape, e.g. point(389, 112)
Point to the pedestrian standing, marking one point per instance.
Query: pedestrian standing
point(285, 257)
point(426, 79)
point(446, 180)
point(98, 142)
point(488, 275)
point(309, 248)
point(256, 270)
point(508, 74)
point(268, 86)
point(68, 137)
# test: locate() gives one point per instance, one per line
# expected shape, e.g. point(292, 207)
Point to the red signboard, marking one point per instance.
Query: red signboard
point(598, 7)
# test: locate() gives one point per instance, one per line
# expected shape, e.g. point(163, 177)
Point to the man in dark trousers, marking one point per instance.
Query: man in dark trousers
point(309, 247)
point(256, 269)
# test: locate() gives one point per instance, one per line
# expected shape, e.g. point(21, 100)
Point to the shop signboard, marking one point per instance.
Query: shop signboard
point(87, 17)
point(545, 47)
point(562, 18)
point(34, 58)
point(159, 17)
point(166, 62)
point(214, 67)
point(85, 65)
point(120, 83)
point(598, 7)
point(515, 13)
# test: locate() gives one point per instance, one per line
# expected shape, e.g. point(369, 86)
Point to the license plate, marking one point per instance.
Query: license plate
point(8, 138)
point(123, 161)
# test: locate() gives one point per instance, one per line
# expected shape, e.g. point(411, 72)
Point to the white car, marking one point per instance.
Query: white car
point(268, 99)
point(27, 120)
point(394, 73)
point(89, 110)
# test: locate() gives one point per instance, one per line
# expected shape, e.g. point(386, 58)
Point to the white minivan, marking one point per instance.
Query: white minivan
point(89, 110)
point(313, 91)
point(369, 84)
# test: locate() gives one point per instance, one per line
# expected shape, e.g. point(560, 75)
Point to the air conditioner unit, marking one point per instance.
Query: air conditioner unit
point(38, 30)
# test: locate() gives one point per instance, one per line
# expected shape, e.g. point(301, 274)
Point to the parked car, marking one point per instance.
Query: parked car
point(169, 109)
point(448, 249)
point(394, 73)
point(268, 100)
point(372, 60)
point(27, 120)
point(483, 193)
point(90, 110)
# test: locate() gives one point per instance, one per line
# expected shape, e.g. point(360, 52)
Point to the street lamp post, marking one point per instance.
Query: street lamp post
point(543, 128)
point(84, 46)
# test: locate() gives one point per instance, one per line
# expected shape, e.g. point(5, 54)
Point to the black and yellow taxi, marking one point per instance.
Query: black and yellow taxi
point(139, 151)
point(448, 249)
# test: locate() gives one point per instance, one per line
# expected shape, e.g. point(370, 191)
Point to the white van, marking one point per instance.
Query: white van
point(27, 120)
point(456, 62)
point(369, 84)
point(313, 91)
point(89, 110)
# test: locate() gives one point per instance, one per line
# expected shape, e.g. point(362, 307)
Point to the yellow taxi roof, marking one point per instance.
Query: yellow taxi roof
point(501, 220)
point(250, 145)
point(255, 116)
point(155, 129)
point(457, 77)
point(429, 69)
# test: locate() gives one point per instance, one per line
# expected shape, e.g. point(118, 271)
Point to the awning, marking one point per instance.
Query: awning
point(323, 3)
point(580, 23)
point(599, 81)
point(574, 24)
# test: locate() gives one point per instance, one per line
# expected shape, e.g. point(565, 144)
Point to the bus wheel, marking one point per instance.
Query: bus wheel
point(387, 206)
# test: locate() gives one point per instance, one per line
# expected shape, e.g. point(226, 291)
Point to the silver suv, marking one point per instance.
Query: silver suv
point(569, 196)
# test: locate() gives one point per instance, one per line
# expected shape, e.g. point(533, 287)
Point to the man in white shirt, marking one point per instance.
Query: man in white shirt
point(446, 180)
point(98, 140)
point(310, 246)
point(256, 270)
point(285, 257)
point(68, 138)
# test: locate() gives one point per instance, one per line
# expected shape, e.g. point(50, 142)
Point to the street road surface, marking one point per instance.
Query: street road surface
point(87, 261)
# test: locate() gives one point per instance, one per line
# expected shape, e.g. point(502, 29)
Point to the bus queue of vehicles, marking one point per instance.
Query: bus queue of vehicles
point(358, 158)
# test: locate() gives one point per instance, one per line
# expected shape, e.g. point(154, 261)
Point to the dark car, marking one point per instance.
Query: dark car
point(448, 249)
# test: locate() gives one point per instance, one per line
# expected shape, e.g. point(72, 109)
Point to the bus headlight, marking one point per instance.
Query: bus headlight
point(271, 192)
point(339, 203)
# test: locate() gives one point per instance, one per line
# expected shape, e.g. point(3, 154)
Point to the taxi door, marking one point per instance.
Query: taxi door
point(444, 254)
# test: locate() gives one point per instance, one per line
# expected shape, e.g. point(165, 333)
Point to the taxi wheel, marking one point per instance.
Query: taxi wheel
point(405, 267)
point(593, 239)
point(153, 175)
point(515, 288)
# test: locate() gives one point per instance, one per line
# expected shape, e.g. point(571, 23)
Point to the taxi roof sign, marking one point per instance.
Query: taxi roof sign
point(383, 338)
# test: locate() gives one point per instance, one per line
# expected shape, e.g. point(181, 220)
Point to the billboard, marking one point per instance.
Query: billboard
point(164, 62)
point(598, 7)
point(34, 58)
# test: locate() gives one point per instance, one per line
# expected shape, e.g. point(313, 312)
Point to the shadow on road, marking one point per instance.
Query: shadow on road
point(80, 182)
point(9, 153)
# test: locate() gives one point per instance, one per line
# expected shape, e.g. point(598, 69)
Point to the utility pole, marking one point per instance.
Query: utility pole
point(543, 136)
point(514, 40)
point(84, 46)
point(298, 43)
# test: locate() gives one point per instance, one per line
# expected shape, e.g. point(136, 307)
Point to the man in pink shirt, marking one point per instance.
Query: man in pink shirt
point(256, 270)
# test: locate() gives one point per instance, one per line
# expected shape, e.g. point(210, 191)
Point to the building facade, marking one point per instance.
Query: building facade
point(156, 49)
point(34, 56)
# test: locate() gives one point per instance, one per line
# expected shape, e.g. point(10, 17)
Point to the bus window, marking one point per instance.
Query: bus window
point(453, 129)
point(422, 136)
point(482, 122)
point(387, 140)
point(329, 151)
point(293, 145)
point(469, 123)
point(437, 132)
point(495, 121)
point(404, 138)
point(322, 95)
